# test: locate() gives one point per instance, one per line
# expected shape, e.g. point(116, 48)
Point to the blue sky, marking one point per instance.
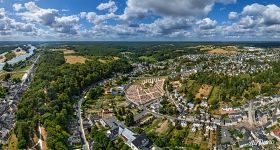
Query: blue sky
point(135, 20)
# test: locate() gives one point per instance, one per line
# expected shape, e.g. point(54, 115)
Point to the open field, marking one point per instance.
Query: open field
point(13, 142)
point(162, 128)
point(23, 68)
point(189, 138)
point(221, 51)
point(198, 137)
point(153, 125)
point(211, 49)
point(148, 59)
point(17, 75)
point(75, 59)
point(44, 138)
point(214, 94)
point(204, 90)
point(108, 59)
point(66, 52)
point(194, 86)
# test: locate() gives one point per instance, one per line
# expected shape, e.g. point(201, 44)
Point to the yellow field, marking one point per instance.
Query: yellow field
point(204, 90)
point(44, 138)
point(163, 127)
point(227, 50)
point(68, 52)
point(17, 75)
point(75, 59)
point(221, 51)
point(12, 143)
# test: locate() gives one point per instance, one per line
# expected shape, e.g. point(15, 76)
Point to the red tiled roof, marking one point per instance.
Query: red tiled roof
point(277, 131)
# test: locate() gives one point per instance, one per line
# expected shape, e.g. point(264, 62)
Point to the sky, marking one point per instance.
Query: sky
point(139, 20)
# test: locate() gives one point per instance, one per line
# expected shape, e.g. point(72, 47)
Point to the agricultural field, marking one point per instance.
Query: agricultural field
point(67, 52)
point(221, 51)
point(74, 59)
point(227, 50)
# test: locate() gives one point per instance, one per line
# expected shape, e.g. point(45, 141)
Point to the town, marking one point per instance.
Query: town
point(151, 107)
point(209, 97)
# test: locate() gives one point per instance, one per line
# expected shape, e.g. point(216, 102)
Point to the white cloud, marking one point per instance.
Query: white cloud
point(206, 24)
point(2, 13)
point(140, 9)
point(111, 6)
point(17, 7)
point(262, 15)
point(173, 8)
point(95, 19)
point(66, 24)
point(232, 15)
point(50, 18)
point(39, 15)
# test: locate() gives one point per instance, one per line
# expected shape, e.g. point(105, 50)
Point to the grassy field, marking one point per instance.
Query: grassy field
point(44, 138)
point(148, 59)
point(195, 87)
point(204, 90)
point(17, 75)
point(214, 94)
point(190, 83)
point(23, 68)
point(154, 125)
point(67, 52)
point(13, 142)
point(162, 127)
point(75, 59)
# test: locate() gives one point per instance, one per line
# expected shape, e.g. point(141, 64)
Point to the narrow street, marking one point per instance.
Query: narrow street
point(81, 126)
point(85, 145)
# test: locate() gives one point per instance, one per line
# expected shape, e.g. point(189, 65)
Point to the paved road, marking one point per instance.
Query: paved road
point(86, 145)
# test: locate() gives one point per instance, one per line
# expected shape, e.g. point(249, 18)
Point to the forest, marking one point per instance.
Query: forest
point(52, 93)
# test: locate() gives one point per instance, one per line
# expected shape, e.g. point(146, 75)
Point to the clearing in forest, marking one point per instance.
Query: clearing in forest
point(75, 59)
point(204, 91)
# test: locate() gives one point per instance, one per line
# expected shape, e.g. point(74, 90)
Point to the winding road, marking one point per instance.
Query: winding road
point(86, 145)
